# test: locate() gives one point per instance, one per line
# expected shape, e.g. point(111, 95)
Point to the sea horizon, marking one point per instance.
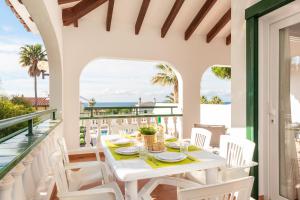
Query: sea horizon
point(124, 104)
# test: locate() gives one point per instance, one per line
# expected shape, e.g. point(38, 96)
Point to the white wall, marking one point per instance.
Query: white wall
point(212, 114)
point(89, 41)
point(238, 61)
point(238, 69)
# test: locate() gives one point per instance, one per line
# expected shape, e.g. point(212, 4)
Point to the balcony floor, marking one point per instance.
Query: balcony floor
point(162, 192)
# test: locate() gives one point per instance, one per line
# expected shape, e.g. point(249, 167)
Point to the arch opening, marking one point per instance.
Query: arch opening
point(114, 88)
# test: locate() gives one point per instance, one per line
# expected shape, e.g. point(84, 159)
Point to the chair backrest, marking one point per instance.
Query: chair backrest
point(59, 172)
point(239, 189)
point(201, 137)
point(63, 148)
point(237, 151)
point(216, 130)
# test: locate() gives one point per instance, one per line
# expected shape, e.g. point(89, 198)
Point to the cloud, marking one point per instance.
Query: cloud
point(7, 28)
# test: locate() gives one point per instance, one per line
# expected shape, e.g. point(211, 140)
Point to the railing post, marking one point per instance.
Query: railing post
point(92, 115)
point(30, 127)
point(171, 110)
point(53, 116)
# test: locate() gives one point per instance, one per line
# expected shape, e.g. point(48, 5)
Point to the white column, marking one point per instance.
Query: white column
point(28, 180)
point(6, 186)
point(18, 188)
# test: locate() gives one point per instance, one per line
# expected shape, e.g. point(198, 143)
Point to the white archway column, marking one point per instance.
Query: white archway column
point(190, 99)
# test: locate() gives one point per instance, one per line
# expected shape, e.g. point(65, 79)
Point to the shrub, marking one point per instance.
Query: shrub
point(82, 141)
point(82, 135)
point(147, 130)
point(7, 110)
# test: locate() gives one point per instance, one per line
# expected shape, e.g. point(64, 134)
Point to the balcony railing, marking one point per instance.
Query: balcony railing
point(97, 121)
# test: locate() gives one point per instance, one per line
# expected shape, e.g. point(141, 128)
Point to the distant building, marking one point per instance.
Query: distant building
point(42, 102)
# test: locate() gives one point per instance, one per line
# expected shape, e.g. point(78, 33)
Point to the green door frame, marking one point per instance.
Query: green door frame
point(252, 15)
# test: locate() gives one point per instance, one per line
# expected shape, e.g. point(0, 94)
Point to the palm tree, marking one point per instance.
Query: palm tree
point(30, 56)
point(166, 77)
point(216, 100)
point(170, 98)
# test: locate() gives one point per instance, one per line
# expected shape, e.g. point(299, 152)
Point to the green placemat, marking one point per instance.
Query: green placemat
point(191, 148)
point(159, 164)
point(113, 147)
point(171, 140)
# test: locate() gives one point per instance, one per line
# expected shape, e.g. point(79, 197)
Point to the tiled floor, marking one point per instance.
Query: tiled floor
point(162, 192)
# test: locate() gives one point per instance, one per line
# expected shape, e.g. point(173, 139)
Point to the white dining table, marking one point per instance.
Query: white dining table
point(130, 171)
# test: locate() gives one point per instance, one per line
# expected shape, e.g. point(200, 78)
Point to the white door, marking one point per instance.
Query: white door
point(279, 103)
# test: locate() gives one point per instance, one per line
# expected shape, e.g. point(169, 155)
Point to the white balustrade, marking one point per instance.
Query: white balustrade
point(28, 180)
point(6, 187)
point(31, 179)
point(18, 188)
point(88, 133)
point(166, 121)
point(36, 173)
point(175, 134)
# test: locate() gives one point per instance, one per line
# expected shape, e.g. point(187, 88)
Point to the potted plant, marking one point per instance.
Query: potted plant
point(148, 135)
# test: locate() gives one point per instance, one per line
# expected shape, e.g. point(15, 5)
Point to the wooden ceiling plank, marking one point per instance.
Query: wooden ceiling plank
point(109, 14)
point(207, 6)
point(70, 15)
point(218, 27)
point(171, 17)
point(228, 40)
point(141, 16)
point(66, 1)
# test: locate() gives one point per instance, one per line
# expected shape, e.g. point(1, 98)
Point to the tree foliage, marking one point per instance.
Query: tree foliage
point(213, 100)
point(9, 109)
point(166, 77)
point(170, 98)
point(222, 72)
point(203, 100)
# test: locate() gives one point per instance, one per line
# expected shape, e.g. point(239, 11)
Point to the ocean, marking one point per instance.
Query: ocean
point(112, 104)
point(119, 104)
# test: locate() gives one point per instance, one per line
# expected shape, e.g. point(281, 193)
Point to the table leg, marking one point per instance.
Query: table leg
point(211, 176)
point(131, 190)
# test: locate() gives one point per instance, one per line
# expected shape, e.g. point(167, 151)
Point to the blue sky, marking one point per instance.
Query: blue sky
point(105, 80)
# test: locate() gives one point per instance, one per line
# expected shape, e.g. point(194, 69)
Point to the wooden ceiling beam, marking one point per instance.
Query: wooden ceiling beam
point(228, 40)
point(141, 16)
point(171, 17)
point(66, 1)
point(207, 6)
point(71, 15)
point(109, 14)
point(218, 27)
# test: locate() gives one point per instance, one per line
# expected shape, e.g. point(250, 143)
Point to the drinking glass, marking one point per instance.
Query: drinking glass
point(184, 147)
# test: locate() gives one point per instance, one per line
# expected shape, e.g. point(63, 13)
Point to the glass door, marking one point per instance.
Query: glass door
point(288, 87)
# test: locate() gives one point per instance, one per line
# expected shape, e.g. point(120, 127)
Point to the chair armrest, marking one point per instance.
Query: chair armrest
point(80, 165)
point(248, 165)
point(93, 193)
point(85, 150)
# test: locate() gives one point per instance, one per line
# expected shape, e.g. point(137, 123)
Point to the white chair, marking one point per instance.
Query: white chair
point(238, 153)
point(107, 191)
point(239, 189)
point(89, 172)
point(201, 137)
